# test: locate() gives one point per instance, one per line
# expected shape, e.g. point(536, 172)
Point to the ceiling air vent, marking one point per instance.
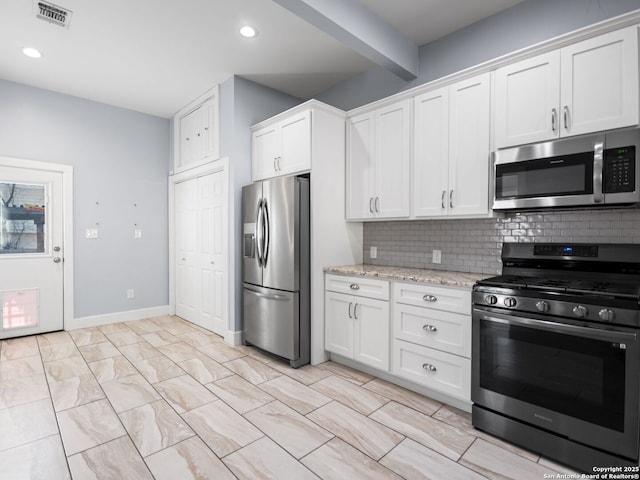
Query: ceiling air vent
point(53, 13)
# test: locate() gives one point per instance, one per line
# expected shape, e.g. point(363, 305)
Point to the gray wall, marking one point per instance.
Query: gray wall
point(522, 25)
point(243, 103)
point(120, 159)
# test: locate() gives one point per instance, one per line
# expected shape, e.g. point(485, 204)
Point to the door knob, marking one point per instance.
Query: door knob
point(57, 259)
point(56, 249)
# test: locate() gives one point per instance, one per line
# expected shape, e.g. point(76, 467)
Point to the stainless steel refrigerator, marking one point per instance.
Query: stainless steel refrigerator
point(275, 267)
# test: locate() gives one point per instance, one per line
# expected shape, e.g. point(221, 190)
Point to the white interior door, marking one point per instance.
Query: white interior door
point(31, 251)
point(201, 251)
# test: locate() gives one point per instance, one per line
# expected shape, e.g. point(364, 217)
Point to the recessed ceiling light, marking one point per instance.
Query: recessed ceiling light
point(248, 31)
point(31, 52)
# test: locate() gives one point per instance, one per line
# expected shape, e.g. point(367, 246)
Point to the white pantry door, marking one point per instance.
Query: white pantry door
point(31, 251)
point(201, 251)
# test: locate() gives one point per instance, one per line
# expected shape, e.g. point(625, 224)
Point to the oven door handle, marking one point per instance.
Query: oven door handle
point(585, 332)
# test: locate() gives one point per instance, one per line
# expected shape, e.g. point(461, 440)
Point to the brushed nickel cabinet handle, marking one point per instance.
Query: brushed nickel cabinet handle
point(442, 200)
point(428, 367)
point(430, 328)
point(354, 286)
point(430, 298)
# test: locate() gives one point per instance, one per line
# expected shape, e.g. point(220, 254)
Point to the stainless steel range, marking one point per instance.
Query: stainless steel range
point(556, 354)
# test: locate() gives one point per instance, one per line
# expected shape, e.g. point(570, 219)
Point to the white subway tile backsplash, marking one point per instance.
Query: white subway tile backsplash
point(475, 245)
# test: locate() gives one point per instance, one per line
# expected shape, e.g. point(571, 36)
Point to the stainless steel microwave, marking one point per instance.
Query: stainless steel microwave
point(595, 169)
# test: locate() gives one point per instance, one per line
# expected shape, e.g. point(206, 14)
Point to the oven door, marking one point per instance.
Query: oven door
point(573, 379)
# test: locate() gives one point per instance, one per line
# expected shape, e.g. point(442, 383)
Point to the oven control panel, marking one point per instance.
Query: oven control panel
point(508, 299)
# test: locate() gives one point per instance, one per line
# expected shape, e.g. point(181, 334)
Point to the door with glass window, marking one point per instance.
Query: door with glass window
point(31, 251)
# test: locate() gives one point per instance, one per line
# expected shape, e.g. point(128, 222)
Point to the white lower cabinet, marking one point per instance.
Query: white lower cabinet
point(432, 337)
point(444, 372)
point(357, 327)
point(425, 338)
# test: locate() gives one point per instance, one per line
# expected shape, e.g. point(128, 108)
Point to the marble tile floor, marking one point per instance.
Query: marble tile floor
point(164, 399)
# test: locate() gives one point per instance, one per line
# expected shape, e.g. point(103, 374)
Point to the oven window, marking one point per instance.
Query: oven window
point(576, 376)
point(549, 177)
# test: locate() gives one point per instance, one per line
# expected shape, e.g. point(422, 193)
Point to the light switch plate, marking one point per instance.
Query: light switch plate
point(437, 256)
point(137, 233)
point(373, 252)
point(91, 233)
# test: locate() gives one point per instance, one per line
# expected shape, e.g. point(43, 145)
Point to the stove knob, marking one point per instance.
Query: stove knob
point(580, 311)
point(491, 299)
point(510, 302)
point(606, 314)
point(542, 306)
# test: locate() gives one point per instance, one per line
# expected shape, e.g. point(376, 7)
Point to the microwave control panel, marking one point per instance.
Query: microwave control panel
point(619, 170)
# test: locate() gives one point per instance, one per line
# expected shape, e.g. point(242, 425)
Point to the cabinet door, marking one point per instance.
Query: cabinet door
point(371, 332)
point(431, 153)
point(360, 166)
point(191, 137)
point(600, 83)
point(392, 160)
point(527, 101)
point(338, 324)
point(265, 151)
point(469, 147)
point(295, 144)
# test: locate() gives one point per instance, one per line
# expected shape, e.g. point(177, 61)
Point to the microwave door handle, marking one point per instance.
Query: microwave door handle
point(598, 154)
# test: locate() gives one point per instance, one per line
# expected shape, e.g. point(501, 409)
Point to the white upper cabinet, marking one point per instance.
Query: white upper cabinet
point(585, 87)
point(378, 162)
point(283, 147)
point(196, 132)
point(451, 150)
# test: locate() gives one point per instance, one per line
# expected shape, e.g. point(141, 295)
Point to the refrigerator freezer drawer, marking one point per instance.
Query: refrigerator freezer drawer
point(272, 320)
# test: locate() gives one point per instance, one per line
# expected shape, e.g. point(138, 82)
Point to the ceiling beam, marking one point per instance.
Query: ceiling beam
point(357, 27)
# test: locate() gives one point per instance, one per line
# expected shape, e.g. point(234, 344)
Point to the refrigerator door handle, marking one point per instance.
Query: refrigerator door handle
point(259, 233)
point(274, 296)
point(267, 237)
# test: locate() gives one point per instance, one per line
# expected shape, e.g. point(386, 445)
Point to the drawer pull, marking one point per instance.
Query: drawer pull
point(430, 298)
point(428, 367)
point(430, 328)
point(354, 286)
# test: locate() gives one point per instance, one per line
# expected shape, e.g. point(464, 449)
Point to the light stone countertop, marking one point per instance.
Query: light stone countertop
point(403, 274)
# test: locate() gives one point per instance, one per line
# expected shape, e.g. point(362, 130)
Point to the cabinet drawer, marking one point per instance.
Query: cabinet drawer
point(358, 286)
point(434, 369)
point(440, 298)
point(446, 331)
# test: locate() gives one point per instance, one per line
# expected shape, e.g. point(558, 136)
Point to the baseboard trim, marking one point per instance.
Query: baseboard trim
point(233, 338)
point(108, 318)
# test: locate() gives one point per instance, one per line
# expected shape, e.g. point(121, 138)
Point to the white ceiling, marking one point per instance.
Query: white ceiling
point(155, 56)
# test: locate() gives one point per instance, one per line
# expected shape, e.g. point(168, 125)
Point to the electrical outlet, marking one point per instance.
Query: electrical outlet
point(137, 233)
point(373, 252)
point(130, 293)
point(91, 233)
point(437, 256)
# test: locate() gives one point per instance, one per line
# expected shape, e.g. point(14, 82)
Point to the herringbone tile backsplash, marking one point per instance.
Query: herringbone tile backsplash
point(475, 245)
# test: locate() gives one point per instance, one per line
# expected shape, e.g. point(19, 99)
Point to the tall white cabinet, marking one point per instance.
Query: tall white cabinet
point(584, 87)
point(451, 150)
point(317, 132)
point(378, 162)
